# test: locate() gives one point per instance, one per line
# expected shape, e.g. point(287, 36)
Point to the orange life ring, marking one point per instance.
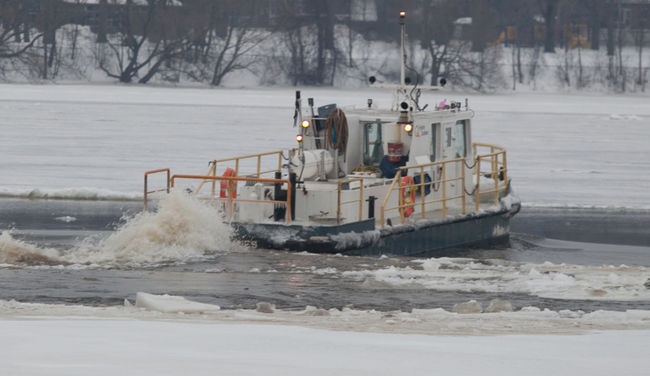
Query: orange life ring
point(407, 183)
point(228, 188)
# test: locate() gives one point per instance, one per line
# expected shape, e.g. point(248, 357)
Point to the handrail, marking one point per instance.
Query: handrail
point(339, 203)
point(212, 171)
point(498, 172)
point(498, 169)
point(146, 176)
point(232, 200)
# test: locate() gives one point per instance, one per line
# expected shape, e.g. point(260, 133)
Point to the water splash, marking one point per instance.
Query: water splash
point(181, 229)
point(17, 252)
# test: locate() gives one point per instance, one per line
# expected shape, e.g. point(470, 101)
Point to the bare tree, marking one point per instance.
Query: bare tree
point(221, 40)
point(436, 34)
point(15, 35)
point(549, 11)
point(143, 44)
point(640, 24)
point(308, 37)
point(596, 10)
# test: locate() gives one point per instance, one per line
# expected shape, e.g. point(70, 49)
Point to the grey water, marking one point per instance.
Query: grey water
point(242, 278)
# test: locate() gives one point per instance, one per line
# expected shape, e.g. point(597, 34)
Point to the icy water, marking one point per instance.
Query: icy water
point(70, 252)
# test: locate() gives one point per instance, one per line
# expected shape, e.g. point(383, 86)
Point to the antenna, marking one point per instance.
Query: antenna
point(401, 92)
point(402, 24)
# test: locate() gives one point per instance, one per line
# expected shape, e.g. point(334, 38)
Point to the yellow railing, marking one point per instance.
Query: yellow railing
point(498, 170)
point(231, 198)
point(212, 171)
point(496, 159)
point(146, 184)
point(339, 203)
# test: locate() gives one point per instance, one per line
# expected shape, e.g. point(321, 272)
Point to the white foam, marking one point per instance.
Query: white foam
point(501, 276)
point(81, 193)
point(13, 251)
point(182, 228)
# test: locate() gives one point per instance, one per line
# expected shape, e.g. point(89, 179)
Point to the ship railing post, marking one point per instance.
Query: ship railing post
point(477, 192)
point(213, 172)
point(338, 204)
point(145, 191)
point(444, 190)
point(505, 168)
point(288, 205)
point(495, 177)
point(462, 166)
point(402, 187)
point(422, 189)
point(360, 199)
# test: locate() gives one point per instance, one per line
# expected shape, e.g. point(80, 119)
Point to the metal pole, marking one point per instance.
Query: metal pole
point(371, 206)
point(402, 23)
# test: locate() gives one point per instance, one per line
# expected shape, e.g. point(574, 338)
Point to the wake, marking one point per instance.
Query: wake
point(183, 228)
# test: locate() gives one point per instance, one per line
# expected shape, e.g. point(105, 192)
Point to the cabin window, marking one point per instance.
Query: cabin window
point(373, 150)
point(434, 142)
point(460, 146)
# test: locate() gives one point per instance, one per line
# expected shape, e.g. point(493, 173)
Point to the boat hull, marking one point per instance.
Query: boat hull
point(361, 238)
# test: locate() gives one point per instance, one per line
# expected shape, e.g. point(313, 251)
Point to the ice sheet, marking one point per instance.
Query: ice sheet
point(563, 149)
point(113, 347)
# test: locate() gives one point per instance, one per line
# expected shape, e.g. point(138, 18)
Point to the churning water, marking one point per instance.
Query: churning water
point(89, 252)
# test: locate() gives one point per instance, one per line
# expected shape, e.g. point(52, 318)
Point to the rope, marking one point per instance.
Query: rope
point(336, 125)
point(472, 166)
point(473, 191)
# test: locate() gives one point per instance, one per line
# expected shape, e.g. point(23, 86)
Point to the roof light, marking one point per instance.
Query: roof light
point(402, 14)
point(305, 123)
point(299, 138)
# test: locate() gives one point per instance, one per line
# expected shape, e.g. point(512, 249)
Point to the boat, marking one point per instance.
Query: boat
point(367, 181)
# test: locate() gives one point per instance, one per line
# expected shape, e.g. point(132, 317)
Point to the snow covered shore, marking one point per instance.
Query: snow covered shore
point(77, 340)
point(112, 347)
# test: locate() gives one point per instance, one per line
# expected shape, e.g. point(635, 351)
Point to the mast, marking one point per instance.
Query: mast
point(402, 24)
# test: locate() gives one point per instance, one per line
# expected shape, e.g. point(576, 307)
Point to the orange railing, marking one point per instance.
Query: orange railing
point(146, 189)
point(231, 200)
point(212, 171)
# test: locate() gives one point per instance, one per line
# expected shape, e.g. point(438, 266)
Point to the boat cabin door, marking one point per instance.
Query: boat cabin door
point(373, 144)
point(456, 141)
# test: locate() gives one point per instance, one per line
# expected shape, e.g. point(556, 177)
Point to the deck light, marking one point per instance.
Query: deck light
point(299, 138)
point(304, 124)
point(408, 127)
point(402, 14)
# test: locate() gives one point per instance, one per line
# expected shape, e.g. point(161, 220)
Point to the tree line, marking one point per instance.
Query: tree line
point(480, 44)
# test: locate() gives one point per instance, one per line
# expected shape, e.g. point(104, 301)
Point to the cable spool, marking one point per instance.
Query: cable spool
point(336, 130)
